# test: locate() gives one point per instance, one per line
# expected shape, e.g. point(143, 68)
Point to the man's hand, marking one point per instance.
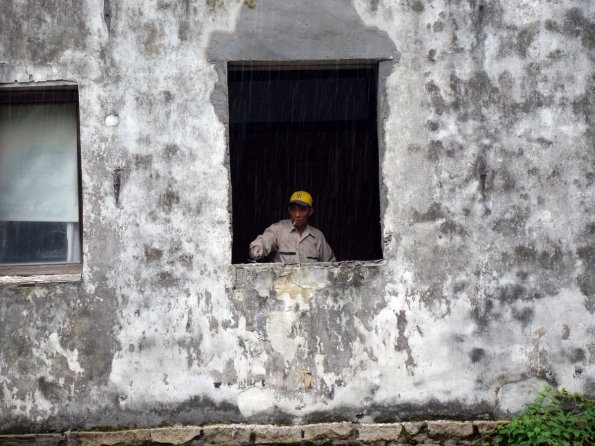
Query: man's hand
point(256, 252)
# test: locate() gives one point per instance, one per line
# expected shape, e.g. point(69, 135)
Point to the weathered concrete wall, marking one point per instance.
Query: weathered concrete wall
point(487, 289)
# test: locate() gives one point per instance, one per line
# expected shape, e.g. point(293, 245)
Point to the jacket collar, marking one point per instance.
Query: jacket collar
point(306, 232)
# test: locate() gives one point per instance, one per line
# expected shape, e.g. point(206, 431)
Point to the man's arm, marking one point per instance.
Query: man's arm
point(326, 253)
point(264, 244)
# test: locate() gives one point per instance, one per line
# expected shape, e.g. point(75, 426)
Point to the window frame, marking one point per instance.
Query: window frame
point(381, 68)
point(24, 93)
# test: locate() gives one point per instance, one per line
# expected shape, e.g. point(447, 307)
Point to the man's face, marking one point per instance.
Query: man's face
point(299, 215)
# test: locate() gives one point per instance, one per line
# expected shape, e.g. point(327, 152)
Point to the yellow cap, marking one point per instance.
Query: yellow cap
point(301, 197)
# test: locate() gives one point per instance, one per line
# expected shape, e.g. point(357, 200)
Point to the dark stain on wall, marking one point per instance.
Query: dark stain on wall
point(529, 254)
point(107, 14)
point(433, 213)
point(436, 98)
point(171, 151)
point(524, 315)
point(89, 330)
point(153, 254)
point(471, 96)
point(436, 150)
point(452, 228)
point(143, 161)
point(400, 411)
point(574, 25)
point(52, 391)
point(169, 199)
point(166, 279)
point(577, 354)
point(41, 35)
point(416, 5)
point(482, 313)
point(477, 354)
point(508, 294)
point(513, 223)
point(518, 40)
point(150, 39)
point(586, 280)
point(432, 125)
point(402, 341)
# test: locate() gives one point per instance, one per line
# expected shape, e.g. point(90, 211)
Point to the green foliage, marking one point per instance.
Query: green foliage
point(555, 418)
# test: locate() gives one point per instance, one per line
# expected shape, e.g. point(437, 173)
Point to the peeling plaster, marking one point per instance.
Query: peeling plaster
point(52, 346)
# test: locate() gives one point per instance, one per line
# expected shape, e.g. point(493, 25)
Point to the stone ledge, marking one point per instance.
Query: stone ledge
point(131, 437)
point(379, 432)
point(419, 432)
point(226, 434)
point(33, 439)
point(278, 434)
point(328, 431)
point(175, 435)
point(450, 429)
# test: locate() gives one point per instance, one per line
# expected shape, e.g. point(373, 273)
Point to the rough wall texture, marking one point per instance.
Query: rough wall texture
point(487, 288)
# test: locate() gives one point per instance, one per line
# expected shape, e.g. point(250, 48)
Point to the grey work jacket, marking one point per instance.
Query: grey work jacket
point(289, 247)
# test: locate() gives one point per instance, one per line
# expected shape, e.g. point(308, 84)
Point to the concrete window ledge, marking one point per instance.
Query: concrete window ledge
point(315, 265)
point(419, 432)
point(34, 274)
point(275, 279)
point(41, 279)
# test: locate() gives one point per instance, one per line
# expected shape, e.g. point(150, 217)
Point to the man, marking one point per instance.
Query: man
point(293, 240)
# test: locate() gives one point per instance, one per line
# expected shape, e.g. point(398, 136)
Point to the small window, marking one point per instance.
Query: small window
point(313, 128)
point(39, 179)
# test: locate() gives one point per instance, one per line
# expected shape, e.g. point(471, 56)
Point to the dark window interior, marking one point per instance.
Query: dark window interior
point(305, 129)
point(35, 242)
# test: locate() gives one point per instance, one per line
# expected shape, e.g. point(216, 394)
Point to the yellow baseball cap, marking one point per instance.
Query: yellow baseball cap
point(301, 197)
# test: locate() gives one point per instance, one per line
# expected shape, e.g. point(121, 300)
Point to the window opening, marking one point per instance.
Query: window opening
point(305, 128)
point(39, 176)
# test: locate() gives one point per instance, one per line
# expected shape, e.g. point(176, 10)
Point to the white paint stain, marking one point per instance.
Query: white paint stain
point(52, 346)
point(254, 400)
point(285, 287)
point(112, 120)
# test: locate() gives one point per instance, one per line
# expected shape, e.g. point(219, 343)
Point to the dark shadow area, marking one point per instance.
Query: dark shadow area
point(314, 129)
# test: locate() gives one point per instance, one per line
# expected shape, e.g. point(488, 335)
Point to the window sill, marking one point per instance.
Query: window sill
point(274, 279)
point(40, 274)
point(313, 265)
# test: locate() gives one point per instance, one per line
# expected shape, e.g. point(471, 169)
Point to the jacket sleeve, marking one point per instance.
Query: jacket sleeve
point(326, 253)
point(267, 241)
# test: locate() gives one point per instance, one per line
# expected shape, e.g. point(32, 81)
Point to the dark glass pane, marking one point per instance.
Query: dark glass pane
point(33, 242)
